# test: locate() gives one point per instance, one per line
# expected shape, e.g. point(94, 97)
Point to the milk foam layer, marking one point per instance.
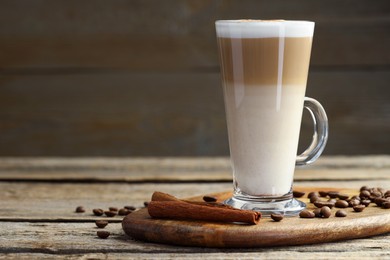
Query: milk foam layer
point(263, 28)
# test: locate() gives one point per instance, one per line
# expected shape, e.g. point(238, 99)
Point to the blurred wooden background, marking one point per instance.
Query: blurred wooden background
point(141, 78)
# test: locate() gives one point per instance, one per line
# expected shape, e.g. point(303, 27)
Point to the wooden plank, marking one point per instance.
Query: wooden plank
point(56, 202)
point(80, 238)
point(173, 35)
point(67, 238)
point(238, 254)
point(171, 114)
point(179, 169)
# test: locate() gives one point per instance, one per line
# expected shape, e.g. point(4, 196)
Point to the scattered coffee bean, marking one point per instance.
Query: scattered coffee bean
point(113, 208)
point(341, 204)
point(313, 193)
point(110, 213)
point(146, 203)
point(365, 202)
point(359, 208)
point(333, 194)
point(364, 194)
point(332, 200)
point(375, 194)
point(356, 197)
point(80, 209)
point(207, 198)
point(386, 205)
point(101, 223)
point(317, 213)
point(132, 208)
point(124, 212)
point(323, 193)
point(306, 214)
point(379, 201)
point(387, 194)
point(98, 212)
point(341, 213)
point(342, 196)
point(277, 217)
point(326, 212)
point(103, 234)
point(314, 198)
point(320, 204)
point(364, 188)
point(354, 202)
point(298, 194)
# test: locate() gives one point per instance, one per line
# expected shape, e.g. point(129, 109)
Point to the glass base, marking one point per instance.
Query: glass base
point(289, 207)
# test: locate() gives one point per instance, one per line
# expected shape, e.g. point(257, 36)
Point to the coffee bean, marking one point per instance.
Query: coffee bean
point(359, 208)
point(298, 194)
point(326, 212)
point(386, 205)
point(353, 202)
point(98, 212)
point(341, 204)
point(375, 194)
point(364, 194)
point(124, 212)
point(80, 209)
point(314, 198)
point(103, 234)
point(132, 208)
point(332, 200)
point(146, 203)
point(101, 223)
point(355, 197)
point(110, 213)
point(387, 194)
point(364, 188)
point(343, 196)
point(317, 213)
point(341, 213)
point(320, 204)
point(323, 193)
point(306, 214)
point(333, 194)
point(365, 202)
point(113, 208)
point(207, 198)
point(379, 201)
point(277, 217)
point(313, 193)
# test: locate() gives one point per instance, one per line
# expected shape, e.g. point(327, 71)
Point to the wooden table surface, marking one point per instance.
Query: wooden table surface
point(39, 196)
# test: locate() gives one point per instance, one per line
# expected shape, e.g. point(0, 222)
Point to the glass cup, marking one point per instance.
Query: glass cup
point(264, 68)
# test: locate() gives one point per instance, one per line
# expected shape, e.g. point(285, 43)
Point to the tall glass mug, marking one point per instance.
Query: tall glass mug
point(264, 67)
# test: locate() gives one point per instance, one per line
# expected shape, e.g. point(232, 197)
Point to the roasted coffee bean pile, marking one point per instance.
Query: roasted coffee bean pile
point(111, 212)
point(326, 200)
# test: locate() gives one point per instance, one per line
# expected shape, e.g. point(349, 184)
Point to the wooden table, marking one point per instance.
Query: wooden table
point(39, 196)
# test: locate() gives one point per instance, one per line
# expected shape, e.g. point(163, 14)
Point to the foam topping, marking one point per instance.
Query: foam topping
point(248, 28)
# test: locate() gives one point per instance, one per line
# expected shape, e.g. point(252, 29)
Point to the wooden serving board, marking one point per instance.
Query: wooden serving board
point(290, 231)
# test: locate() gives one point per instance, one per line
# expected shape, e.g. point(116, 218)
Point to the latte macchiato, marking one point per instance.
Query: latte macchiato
point(264, 68)
point(264, 78)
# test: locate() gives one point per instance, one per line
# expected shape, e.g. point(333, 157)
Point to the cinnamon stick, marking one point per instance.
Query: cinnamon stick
point(167, 206)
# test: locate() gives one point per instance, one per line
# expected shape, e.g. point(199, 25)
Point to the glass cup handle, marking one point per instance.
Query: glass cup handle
point(320, 135)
